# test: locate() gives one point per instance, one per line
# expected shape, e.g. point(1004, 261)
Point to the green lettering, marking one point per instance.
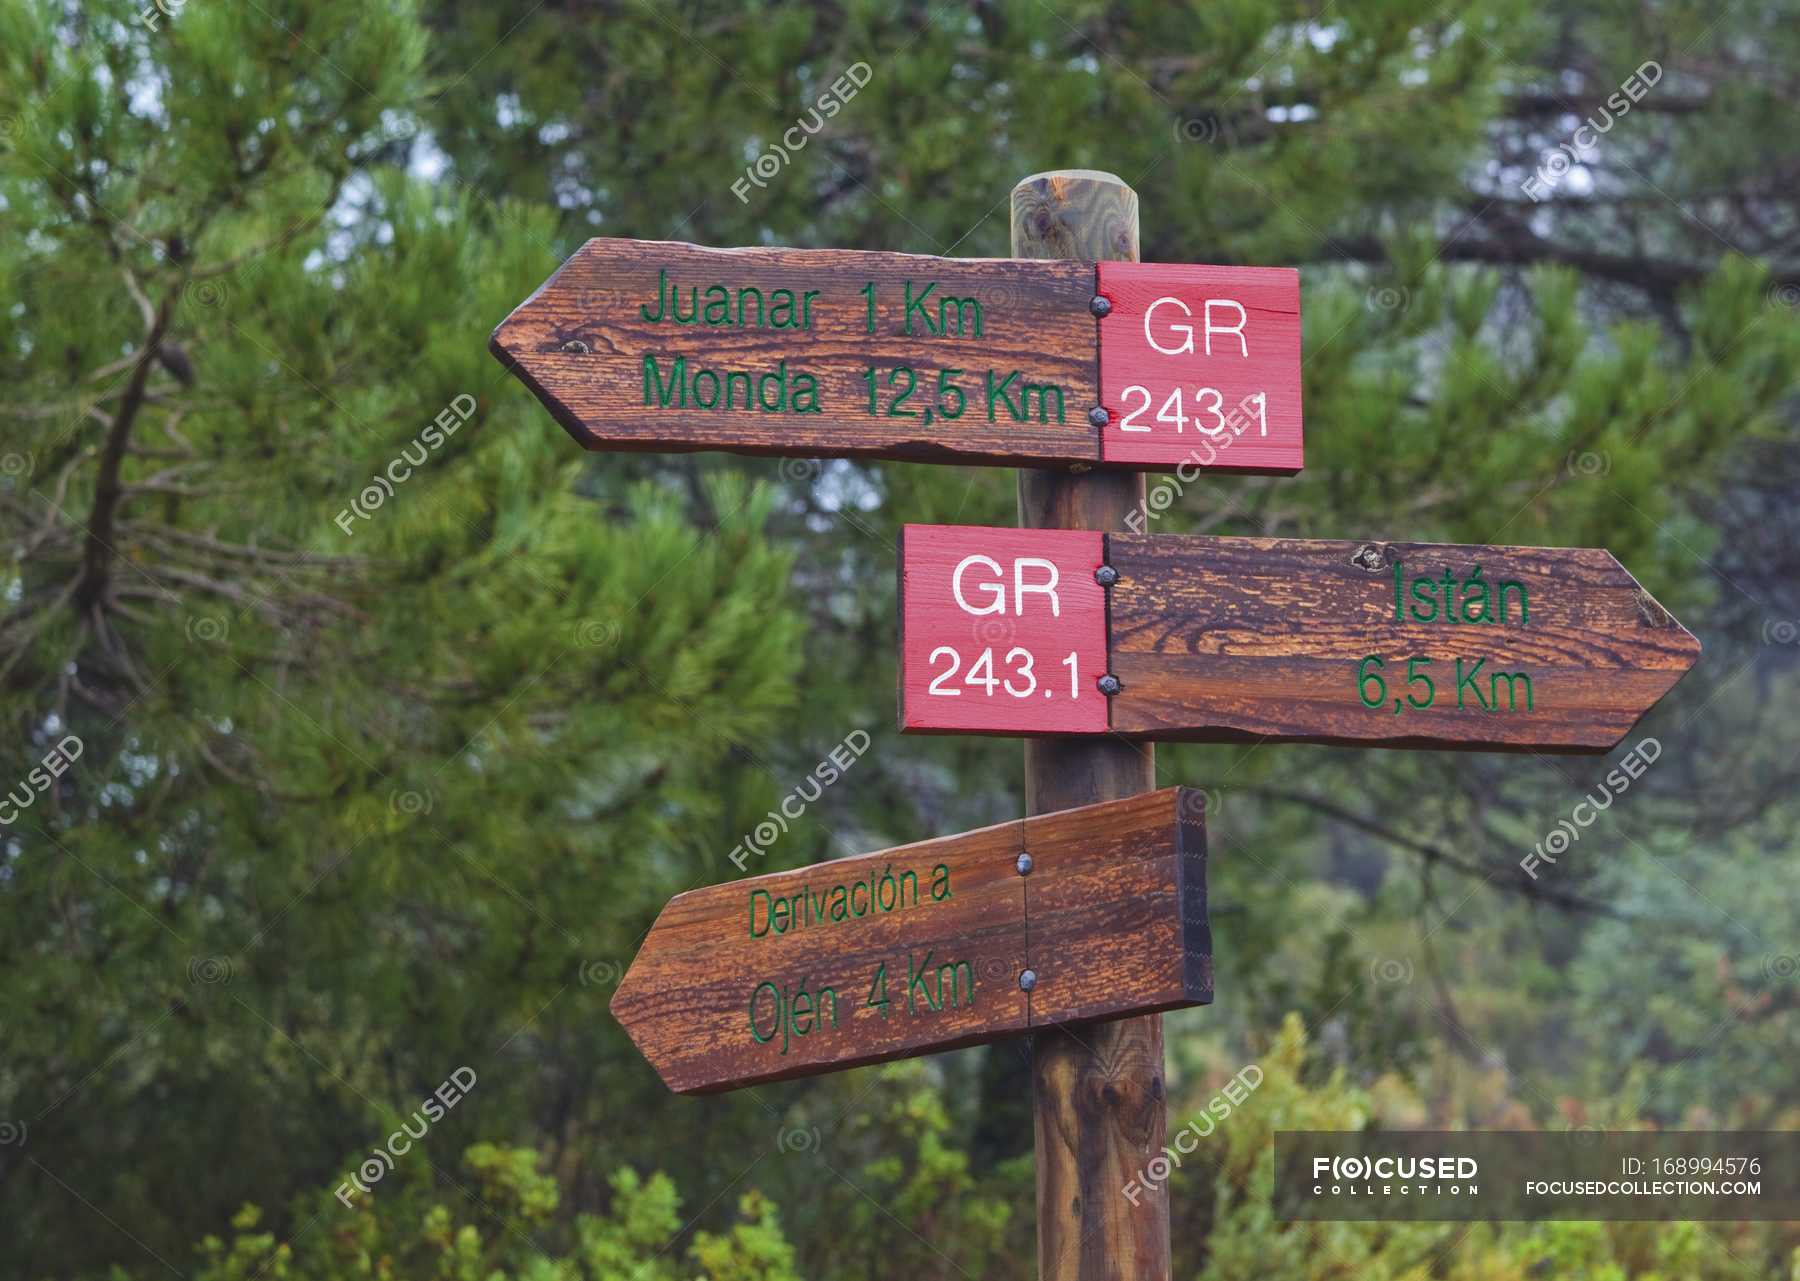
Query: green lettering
point(674, 392)
point(1478, 614)
point(756, 1033)
point(1512, 696)
point(1512, 585)
point(960, 306)
point(918, 305)
point(915, 983)
point(1469, 680)
point(701, 398)
point(1422, 595)
point(958, 971)
point(1000, 390)
point(730, 397)
point(750, 291)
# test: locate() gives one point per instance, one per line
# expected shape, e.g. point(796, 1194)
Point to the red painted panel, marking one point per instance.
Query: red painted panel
point(1201, 365)
point(977, 654)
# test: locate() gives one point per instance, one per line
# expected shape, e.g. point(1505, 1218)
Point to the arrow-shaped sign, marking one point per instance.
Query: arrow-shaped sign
point(1090, 913)
point(658, 345)
point(1018, 631)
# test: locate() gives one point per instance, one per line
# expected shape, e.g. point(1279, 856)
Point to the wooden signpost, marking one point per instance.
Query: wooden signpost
point(1084, 368)
point(658, 345)
point(1303, 640)
point(1090, 913)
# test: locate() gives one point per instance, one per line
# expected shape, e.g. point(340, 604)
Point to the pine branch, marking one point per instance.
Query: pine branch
point(97, 556)
point(1531, 889)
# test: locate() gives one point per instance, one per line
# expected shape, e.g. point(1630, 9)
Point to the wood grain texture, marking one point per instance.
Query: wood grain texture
point(1235, 332)
point(1099, 1111)
point(1120, 890)
point(579, 343)
point(1223, 639)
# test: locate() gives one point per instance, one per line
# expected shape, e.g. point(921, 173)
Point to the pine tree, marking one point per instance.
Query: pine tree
point(398, 720)
point(387, 736)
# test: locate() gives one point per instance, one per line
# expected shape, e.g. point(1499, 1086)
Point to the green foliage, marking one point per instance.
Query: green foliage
point(383, 777)
point(494, 1233)
point(1243, 1241)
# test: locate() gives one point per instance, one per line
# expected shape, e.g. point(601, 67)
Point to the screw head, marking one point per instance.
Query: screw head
point(1028, 980)
point(1109, 684)
point(1106, 575)
point(1100, 305)
point(1098, 416)
point(1024, 865)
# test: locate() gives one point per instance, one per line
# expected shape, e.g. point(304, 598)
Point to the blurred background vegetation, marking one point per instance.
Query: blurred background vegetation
point(356, 809)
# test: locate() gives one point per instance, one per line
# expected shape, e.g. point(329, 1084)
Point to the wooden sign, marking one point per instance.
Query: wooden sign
point(657, 345)
point(1201, 366)
point(1001, 628)
point(1090, 913)
point(1377, 644)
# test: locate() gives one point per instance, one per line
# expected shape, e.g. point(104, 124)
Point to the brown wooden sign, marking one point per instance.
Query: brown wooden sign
point(658, 345)
point(1307, 640)
point(927, 947)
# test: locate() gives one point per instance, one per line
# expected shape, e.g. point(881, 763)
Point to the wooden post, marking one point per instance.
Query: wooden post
point(1099, 1112)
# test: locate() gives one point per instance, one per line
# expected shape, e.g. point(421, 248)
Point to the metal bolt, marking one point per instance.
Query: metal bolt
point(1024, 865)
point(1106, 575)
point(1098, 416)
point(1100, 305)
point(1028, 980)
point(1109, 685)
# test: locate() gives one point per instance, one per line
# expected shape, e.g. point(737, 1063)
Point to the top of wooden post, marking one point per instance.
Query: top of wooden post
point(1083, 214)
